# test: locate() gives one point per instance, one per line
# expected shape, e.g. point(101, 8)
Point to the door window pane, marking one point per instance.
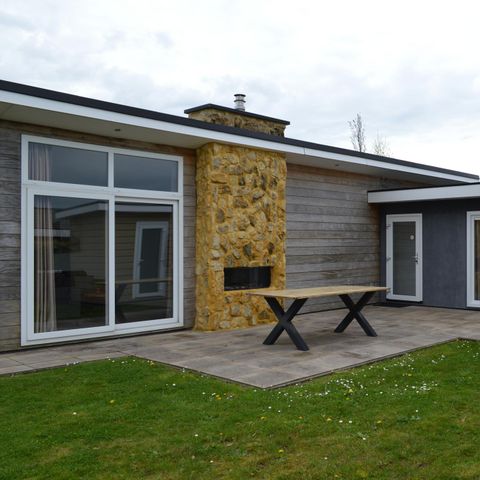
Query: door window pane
point(70, 263)
point(404, 254)
point(145, 173)
point(52, 163)
point(143, 262)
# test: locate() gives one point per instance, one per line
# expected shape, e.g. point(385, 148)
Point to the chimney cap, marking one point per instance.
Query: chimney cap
point(239, 101)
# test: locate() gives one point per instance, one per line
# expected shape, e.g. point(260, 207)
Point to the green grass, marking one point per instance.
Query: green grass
point(413, 417)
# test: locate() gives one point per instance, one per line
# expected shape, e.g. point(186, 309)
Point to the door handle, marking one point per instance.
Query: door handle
point(415, 257)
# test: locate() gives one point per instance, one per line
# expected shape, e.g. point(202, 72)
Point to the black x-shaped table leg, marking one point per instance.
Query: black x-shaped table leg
point(355, 312)
point(285, 319)
point(285, 322)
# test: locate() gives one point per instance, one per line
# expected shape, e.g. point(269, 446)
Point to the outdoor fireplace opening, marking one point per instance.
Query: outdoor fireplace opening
point(243, 278)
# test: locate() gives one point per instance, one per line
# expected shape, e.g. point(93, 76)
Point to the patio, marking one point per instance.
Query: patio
point(240, 356)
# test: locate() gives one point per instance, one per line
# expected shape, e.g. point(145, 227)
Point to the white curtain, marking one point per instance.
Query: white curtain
point(45, 320)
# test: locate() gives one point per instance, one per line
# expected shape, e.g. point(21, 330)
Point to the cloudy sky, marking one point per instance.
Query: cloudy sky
point(411, 68)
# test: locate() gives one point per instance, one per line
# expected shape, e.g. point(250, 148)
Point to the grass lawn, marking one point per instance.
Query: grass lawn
point(413, 417)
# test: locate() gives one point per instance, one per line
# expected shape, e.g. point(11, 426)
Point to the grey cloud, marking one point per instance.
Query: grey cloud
point(164, 39)
point(10, 20)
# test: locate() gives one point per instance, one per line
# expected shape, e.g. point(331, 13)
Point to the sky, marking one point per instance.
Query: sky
point(410, 68)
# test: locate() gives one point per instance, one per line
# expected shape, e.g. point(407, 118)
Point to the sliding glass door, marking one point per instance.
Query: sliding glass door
point(103, 253)
point(70, 263)
point(144, 262)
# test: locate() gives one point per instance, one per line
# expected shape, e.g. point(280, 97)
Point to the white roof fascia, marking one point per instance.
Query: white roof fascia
point(388, 166)
point(419, 194)
point(122, 118)
point(212, 135)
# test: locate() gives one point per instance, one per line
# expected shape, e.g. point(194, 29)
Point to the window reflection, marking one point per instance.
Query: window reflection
point(70, 267)
point(53, 163)
point(143, 262)
point(144, 173)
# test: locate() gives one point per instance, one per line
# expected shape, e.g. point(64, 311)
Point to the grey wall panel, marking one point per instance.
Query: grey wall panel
point(9, 239)
point(444, 248)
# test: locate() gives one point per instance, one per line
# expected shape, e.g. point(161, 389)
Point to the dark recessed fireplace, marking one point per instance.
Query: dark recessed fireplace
point(242, 278)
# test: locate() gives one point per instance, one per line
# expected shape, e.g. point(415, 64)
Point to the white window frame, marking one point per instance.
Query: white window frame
point(471, 218)
point(30, 188)
point(408, 217)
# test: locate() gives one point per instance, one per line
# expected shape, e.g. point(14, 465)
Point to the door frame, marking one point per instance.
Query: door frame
point(471, 217)
point(407, 217)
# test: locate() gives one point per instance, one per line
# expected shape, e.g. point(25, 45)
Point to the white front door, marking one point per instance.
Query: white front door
point(404, 257)
point(473, 259)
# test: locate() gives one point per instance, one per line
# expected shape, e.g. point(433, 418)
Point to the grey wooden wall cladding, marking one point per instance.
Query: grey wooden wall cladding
point(332, 232)
point(189, 202)
point(10, 213)
point(9, 239)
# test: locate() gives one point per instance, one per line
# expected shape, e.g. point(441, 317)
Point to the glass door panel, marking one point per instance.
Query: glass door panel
point(70, 263)
point(404, 258)
point(476, 250)
point(143, 262)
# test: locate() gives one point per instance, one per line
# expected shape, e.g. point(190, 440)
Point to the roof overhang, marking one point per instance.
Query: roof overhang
point(452, 192)
point(35, 106)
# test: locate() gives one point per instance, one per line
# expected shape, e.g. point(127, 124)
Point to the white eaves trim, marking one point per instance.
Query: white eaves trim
point(132, 120)
point(211, 135)
point(386, 165)
point(419, 194)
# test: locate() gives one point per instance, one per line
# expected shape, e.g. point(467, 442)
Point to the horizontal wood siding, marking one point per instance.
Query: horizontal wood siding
point(189, 205)
point(332, 232)
point(9, 239)
point(10, 213)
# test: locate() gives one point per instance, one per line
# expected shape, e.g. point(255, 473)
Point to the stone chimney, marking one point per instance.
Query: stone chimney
point(238, 117)
point(240, 220)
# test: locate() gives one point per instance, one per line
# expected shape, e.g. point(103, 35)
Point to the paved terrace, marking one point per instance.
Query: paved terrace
point(239, 355)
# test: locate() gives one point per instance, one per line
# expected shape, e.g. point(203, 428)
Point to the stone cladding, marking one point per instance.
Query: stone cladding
point(240, 222)
point(239, 120)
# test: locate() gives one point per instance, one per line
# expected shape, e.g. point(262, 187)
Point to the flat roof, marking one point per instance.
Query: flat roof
point(416, 194)
point(190, 128)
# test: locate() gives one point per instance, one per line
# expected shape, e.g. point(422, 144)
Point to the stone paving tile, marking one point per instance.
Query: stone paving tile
point(39, 356)
point(240, 356)
point(269, 378)
point(6, 362)
point(53, 362)
point(91, 356)
point(15, 369)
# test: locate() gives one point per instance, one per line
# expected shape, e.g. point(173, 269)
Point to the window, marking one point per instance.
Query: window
point(70, 263)
point(54, 163)
point(143, 236)
point(145, 173)
point(101, 228)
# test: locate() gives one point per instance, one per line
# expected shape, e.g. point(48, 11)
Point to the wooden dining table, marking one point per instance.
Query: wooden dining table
point(301, 295)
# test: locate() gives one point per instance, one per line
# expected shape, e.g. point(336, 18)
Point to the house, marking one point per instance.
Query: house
point(118, 220)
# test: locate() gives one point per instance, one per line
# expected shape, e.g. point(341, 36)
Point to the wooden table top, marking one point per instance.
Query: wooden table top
point(315, 291)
